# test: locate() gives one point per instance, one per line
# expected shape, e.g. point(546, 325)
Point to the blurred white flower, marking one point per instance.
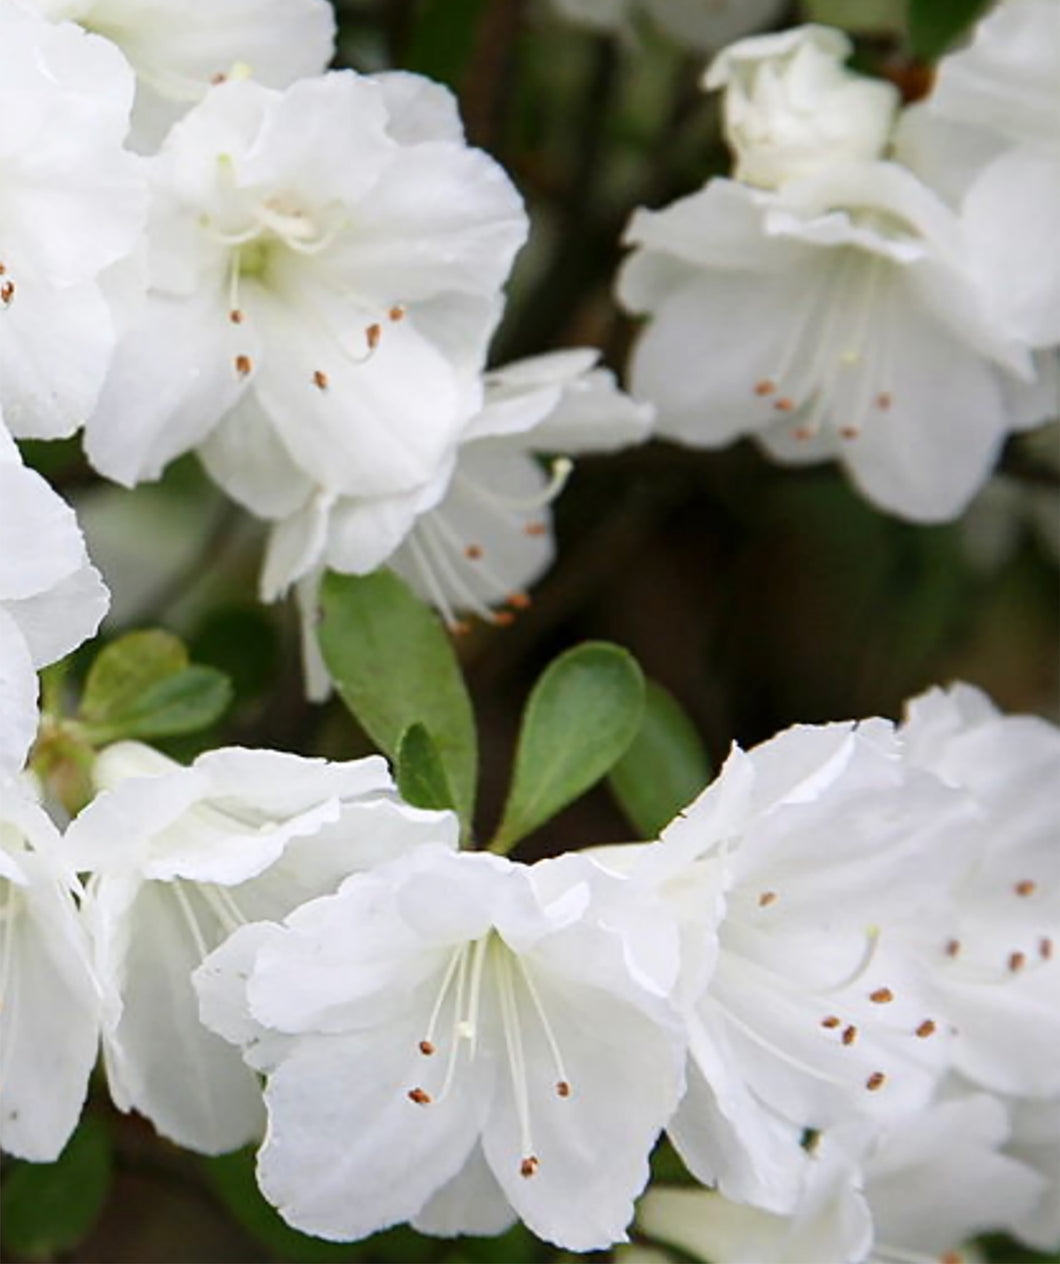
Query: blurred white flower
point(51, 597)
point(791, 107)
point(988, 135)
point(180, 857)
point(49, 1036)
point(325, 267)
point(71, 204)
point(816, 318)
point(456, 1039)
point(178, 48)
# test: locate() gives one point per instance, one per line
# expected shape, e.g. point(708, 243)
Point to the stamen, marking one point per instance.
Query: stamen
point(1026, 887)
point(765, 387)
point(1045, 949)
point(832, 1021)
point(529, 1165)
point(420, 1097)
point(926, 1028)
point(472, 552)
point(953, 947)
point(519, 601)
point(236, 316)
point(884, 400)
point(850, 1034)
point(396, 313)
point(875, 1081)
point(426, 1048)
point(7, 293)
point(881, 996)
point(513, 1039)
point(372, 335)
point(563, 1087)
point(785, 405)
point(1016, 961)
point(320, 379)
point(243, 364)
point(766, 898)
point(849, 432)
point(535, 528)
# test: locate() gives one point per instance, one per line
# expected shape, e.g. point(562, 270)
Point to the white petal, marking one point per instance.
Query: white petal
point(18, 696)
point(471, 1203)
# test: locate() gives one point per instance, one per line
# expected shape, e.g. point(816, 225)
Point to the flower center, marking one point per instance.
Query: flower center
point(472, 967)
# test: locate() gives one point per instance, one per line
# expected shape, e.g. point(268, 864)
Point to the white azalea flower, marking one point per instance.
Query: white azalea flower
point(314, 320)
point(789, 875)
point(454, 1035)
point(50, 1002)
point(915, 1198)
point(71, 204)
point(179, 48)
point(791, 107)
point(815, 318)
point(51, 598)
point(988, 133)
point(180, 858)
point(702, 24)
point(994, 946)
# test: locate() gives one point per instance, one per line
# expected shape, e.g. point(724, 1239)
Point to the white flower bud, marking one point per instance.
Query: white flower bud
point(792, 108)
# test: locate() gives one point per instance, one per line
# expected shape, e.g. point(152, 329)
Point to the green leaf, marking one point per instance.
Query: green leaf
point(394, 666)
point(142, 686)
point(665, 767)
point(47, 1208)
point(935, 25)
point(421, 778)
point(581, 716)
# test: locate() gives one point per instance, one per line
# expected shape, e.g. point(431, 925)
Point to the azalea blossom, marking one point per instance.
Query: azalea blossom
point(71, 205)
point(49, 1036)
point(51, 597)
point(178, 48)
point(455, 1039)
point(915, 1197)
point(791, 108)
point(701, 24)
point(182, 856)
point(479, 533)
point(789, 877)
point(987, 135)
point(992, 945)
point(815, 318)
point(313, 321)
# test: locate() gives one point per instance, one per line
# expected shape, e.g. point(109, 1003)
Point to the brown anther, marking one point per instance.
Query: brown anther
point(1026, 887)
point(426, 1048)
point(235, 316)
point(765, 387)
point(850, 1034)
point(473, 552)
point(397, 312)
point(1016, 961)
point(320, 379)
point(563, 1088)
point(529, 1165)
point(372, 335)
point(884, 400)
point(3, 269)
point(503, 618)
point(849, 432)
point(766, 898)
point(420, 1097)
point(951, 1257)
point(535, 528)
point(784, 404)
point(802, 433)
point(7, 292)
point(926, 1028)
point(1045, 949)
point(875, 1081)
point(460, 628)
point(519, 601)
point(953, 947)
point(243, 365)
point(218, 78)
point(881, 996)
point(830, 1022)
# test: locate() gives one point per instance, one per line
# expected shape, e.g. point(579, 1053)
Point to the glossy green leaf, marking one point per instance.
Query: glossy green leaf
point(936, 25)
point(665, 766)
point(394, 666)
point(581, 716)
point(420, 775)
point(125, 668)
point(47, 1208)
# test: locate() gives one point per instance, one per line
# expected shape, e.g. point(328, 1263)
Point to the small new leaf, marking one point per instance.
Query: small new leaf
point(420, 773)
point(394, 666)
point(581, 716)
point(665, 767)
